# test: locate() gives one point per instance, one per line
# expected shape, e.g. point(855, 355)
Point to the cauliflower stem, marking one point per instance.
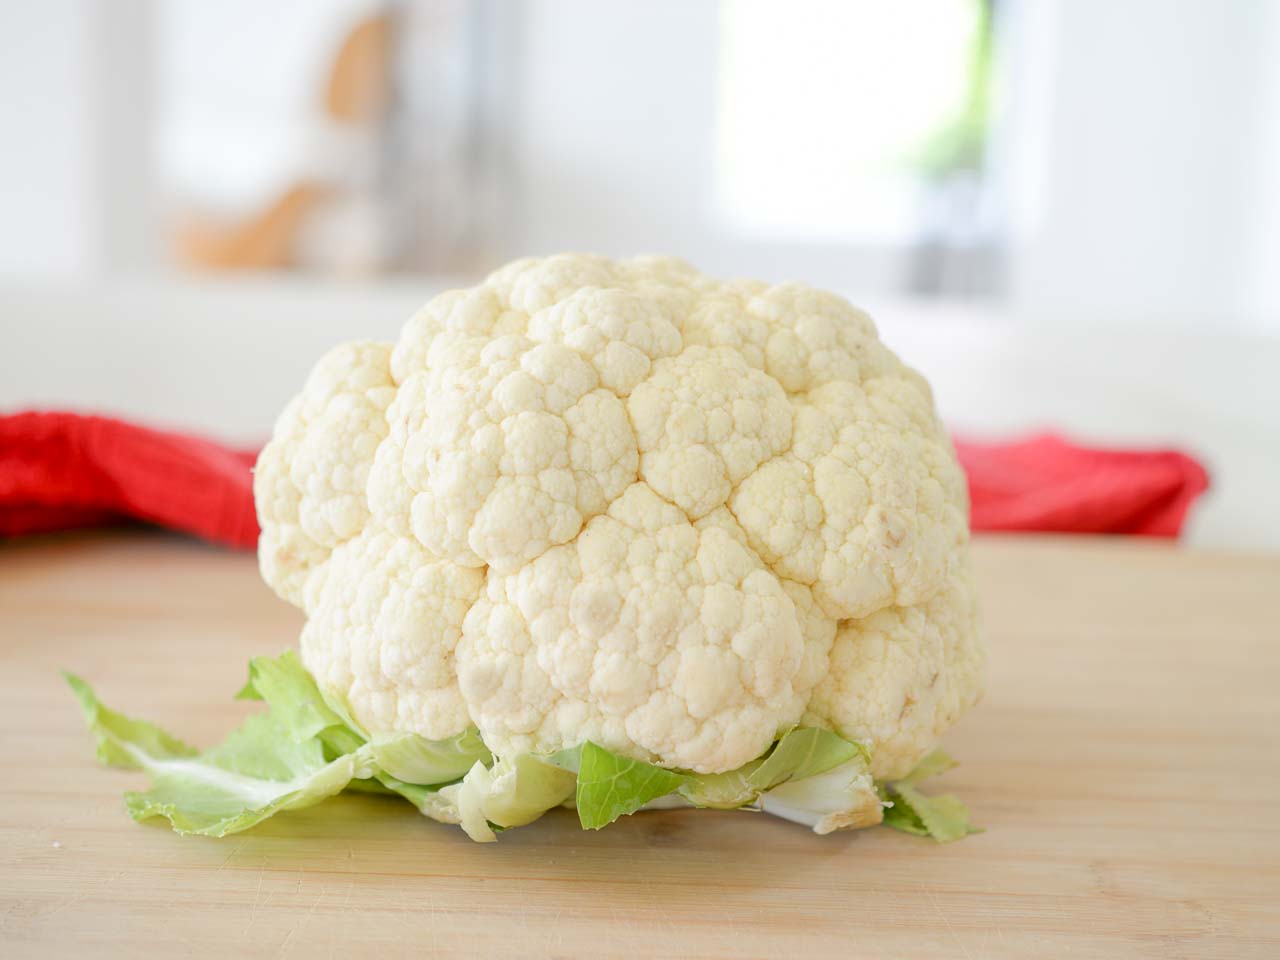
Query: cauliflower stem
point(305, 748)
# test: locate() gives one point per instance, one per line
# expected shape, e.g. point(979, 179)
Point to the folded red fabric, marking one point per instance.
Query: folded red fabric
point(59, 471)
point(1046, 484)
point(62, 471)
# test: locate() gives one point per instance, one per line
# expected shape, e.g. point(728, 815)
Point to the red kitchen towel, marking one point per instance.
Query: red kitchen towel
point(60, 471)
point(1046, 484)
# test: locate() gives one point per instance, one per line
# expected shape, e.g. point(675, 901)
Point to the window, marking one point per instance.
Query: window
point(837, 121)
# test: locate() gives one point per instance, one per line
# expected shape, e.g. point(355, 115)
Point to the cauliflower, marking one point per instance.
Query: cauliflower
point(654, 537)
point(623, 502)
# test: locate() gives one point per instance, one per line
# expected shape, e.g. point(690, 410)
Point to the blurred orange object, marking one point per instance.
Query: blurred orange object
point(360, 80)
point(263, 242)
point(357, 94)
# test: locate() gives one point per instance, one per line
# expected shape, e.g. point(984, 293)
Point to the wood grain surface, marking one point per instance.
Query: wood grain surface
point(1125, 764)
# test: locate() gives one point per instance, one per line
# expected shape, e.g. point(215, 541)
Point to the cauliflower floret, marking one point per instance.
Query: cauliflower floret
point(626, 502)
point(619, 332)
point(385, 617)
point(869, 503)
point(704, 421)
point(818, 630)
point(900, 677)
point(310, 479)
point(645, 633)
point(502, 451)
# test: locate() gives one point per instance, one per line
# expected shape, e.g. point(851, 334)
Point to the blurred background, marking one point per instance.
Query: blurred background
point(1067, 214)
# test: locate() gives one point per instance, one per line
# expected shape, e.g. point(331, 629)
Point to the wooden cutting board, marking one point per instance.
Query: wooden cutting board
point(1125, 764)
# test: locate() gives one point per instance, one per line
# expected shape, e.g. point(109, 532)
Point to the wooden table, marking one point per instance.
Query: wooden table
point(1124, 763)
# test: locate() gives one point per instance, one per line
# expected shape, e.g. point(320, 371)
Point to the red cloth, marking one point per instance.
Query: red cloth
point(61, 471)
point(1046, 484)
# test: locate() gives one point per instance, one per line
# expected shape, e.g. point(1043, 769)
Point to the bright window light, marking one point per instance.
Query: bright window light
point(827, 109)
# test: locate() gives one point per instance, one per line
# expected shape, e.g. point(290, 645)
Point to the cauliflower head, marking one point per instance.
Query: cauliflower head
point(626, 503)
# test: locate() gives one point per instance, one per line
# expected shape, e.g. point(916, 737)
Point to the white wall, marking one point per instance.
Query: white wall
point(1262, 283)
point(45, 171)
point(1151, 151)
point(77, 183)
point(1161, 166)
point(615, 124)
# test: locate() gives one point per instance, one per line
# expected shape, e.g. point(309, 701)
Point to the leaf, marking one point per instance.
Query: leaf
point(723, 791)
point(935, 764)
point(900, 816)
point(844, 796)
point(291, 692)
point(944, 817)
point(406, 763)
point(511, 793)
point(307, 748)
point(113, 731)
point(610, 786)
point(256, 772)
point(299, 753)
point(802, 753)
point(414, 759)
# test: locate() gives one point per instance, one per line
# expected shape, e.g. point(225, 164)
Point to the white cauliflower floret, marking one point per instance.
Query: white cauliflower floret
point(504, 450)
point(385, 617)
point(868, 504)
point(310, 481)
point(645, 633)
point(626, 502)
point(619, 332)
point(704, 421)
point(900, 677)
point(818, 630)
